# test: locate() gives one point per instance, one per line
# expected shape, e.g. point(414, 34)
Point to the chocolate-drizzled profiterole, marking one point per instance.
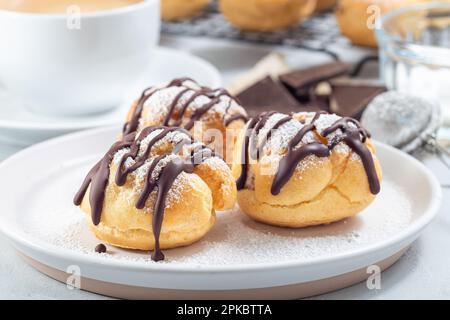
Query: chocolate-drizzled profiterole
point(184, 103)
point(305, 169)
point(156, 189)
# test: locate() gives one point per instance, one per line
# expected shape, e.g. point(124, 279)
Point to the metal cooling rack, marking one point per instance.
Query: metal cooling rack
point(318, 33)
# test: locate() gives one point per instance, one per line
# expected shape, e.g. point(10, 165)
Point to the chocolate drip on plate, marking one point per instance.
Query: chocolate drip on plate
point(100, 248)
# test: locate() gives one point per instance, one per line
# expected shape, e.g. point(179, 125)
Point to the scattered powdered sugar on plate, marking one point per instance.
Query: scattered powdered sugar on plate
point(236, 239)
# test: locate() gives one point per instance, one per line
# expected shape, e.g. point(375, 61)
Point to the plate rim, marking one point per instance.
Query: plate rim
point(88, 123)
point(65, 254)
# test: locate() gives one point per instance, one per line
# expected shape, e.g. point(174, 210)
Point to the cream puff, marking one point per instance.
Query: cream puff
point(323, 5)
point(156, 189)
point(356, 18)
point(213, 116)
point(305, 169)
point(266, 15)
point(181, 9)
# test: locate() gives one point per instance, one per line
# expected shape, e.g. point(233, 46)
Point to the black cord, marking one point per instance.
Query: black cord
point(332, 54)
point(361, 64)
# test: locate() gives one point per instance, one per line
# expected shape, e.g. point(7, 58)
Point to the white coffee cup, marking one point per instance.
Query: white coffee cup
point(77, 64)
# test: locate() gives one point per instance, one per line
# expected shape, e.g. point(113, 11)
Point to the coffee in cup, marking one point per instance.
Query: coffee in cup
point(61, 6)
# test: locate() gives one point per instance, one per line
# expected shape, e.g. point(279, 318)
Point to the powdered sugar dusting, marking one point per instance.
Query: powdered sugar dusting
point(280, 138)
point(236, 239)
point(217, 164)
point(276, 147)
point(119, 155)
point(327, 120)
point(173, 137)
point(140, 174)
point(162, 97)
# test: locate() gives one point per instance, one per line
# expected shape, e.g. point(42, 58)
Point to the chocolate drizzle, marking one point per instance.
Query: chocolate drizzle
point(352, 134)
point(289, 163)
point(133, 124)
point(122, 172)
point(240, 182)
point(235, 117)
point(264, 117)
point(163, 184)
point(175, 117)
point(98, 176)
point(352, 137)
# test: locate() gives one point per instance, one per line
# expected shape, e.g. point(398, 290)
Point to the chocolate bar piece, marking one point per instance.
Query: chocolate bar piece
point(268, 95)
point(350, 98)
point(299, 82)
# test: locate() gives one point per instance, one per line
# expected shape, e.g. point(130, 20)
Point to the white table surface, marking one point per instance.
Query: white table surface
point(422, 273)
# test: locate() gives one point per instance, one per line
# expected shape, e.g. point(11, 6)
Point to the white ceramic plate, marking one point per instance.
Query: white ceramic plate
point(21, 127)
point(238, 258)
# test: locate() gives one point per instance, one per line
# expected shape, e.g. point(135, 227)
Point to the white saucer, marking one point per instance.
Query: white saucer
point(239, 258)
point(20, 127)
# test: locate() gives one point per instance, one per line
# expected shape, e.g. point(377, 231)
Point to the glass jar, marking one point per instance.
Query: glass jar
point(414, 44)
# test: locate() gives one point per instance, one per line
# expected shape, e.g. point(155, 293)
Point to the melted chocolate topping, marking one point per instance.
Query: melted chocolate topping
point(163, 184)
point(264, 117)
point(352, 137)
point(98, 176)
point(289, 163)
point(240, 182)
point(133, 124)
point(352, 134)
point(215, 96)
point(235, 117)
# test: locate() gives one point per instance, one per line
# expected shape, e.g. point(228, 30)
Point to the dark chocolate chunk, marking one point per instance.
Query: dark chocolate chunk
point(299, 81)
point(350, 98)
point(267, 95)
point(320, 103)
point(320, 100)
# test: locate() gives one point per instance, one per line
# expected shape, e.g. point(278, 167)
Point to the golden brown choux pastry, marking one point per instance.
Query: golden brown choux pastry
point(305, 169)
point(157, 189)
point(356, 18)
point(181, 9)
point(212, 116)
point(266, 15)
point(323, 5)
